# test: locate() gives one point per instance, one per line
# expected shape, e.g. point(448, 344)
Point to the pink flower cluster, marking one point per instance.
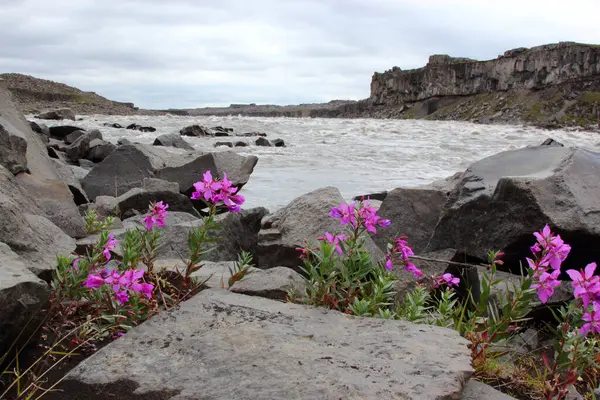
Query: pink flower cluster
point(215, 192)
point(157, 215)
point(550, 251)
point(334, 240)
point(121, 283)
point(362, 216)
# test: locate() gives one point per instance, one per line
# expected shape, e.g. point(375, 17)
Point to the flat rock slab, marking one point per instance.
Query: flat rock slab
point(475, 390)
point(222, 345)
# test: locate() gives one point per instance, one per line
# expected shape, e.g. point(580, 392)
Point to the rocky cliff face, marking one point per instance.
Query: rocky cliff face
point(521, 68)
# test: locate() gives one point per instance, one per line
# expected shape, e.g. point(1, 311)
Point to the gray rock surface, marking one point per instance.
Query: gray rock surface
point(414, 213)
point(53, 198)
point(222, 345)
point(128, 165)
point(99, 150)
point(67, 174)
point(13, 148)
point(306, 217)
point(137, 201)
point(58, 114)
point(40, 128)
point(195, 130)
point(22, 295)
point(475, 390)
point(501, 200)
point(173, 140)
point(273, 283)
point(73, 136)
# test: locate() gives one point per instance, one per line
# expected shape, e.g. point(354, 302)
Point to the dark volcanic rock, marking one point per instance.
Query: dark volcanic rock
point(278, 142)
point(253, 134)
point(414, 213)
point(73, 136)
point(241, 144)
point(60, 132)
point(128, 165)
point(67, 175)
point(137, 200)
point(502, 199)
point(173, 140)
point(228, 144)
point(219, 337)
point(79, 148)
point(62, 113)
point(40, 128)
point(114, 125)
point(195, 130)
point(22, 295)
point(261, 141)
point(306, 217)
point(552, 142)
point(141, 128)
point(13, 148)
point(99, 150)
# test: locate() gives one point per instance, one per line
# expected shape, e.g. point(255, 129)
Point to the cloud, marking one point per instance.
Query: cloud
point(193, 53)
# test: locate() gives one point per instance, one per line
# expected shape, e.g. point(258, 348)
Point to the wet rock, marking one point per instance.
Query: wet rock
point(228, 144)
point(13, 148)
point(61, 113)
point(274, 283)
point(73, 136)
point(177, 353)
point(195, 130)
point(141, 128)
point(252, 134)
point(240, 144)
point(517, 193)
point(114, 125)
point(79, 148)
point(99, 150)
point(41, 129)
point(261, 141)
point(124, 141)
point(60, 132)
point(306, 217)
point(278, 142)
point(414, 213)
point(379, 196)
point(172, 140)
point(221, 129)
point(22, 296)
point(552, 142)
point(128, 165)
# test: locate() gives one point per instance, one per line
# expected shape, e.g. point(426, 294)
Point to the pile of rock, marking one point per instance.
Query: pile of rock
point(219, 131)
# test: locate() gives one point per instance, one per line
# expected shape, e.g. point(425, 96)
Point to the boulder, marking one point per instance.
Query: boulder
point(221, 129)
point(68, 176)
point(57, 144)
point(261, 141)
point(113, 125)
point(278, 142)
point(87, 164)
point(13, 148)
point(552, 142)
point(219, 337)
point(40, 128)
point(237, 232)
point(22, 296)
point(379, 196)
point(220, 134)
point(53, 199)
point(99, 150)
point(248, 134)
point(501, 200)
point(73, 136)
point(127, 166)
point(141, 128)
point(79, 148)
point(57, 154)
point(60, 132)
point(274, 283)
point(137, 200)
point(228, 144)
point(61, 113)
point(413, 212)
point(240, 144)
point(124, 141)
point(475, 390)
point(195, 130)
point(172, 140)
point(306, 217)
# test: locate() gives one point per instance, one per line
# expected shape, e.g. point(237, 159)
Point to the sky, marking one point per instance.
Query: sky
point(195, 53)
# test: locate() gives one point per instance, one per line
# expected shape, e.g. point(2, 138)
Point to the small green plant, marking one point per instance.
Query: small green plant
point(240, 268)
point(94, 225)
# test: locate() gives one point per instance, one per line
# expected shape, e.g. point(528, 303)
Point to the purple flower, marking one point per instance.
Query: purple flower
point(410, 267)
point(389, 265)
point(122, 297)
point(94, 281)
point(334, 240)
point(553, 248)
point(546, 284)
point(206, 189)
point(446, 279)
point(593, 321)
point(110, 244)
point(157, 216)
point(75, 262)
point(404, 248)
point(586, 285)
point(345, 213)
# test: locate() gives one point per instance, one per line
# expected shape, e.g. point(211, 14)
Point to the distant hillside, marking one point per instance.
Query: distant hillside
point(35, 95)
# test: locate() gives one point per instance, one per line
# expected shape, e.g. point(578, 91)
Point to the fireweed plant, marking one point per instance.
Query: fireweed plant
point(98, 297)
point(341, 274)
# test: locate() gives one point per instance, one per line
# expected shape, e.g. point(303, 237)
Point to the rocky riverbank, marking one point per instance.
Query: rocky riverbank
point(246, 341)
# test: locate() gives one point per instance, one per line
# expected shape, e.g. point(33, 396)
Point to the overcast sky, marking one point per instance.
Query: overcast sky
point(192, 53)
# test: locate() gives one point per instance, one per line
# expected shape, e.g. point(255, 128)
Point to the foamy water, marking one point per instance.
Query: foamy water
point(357, 156)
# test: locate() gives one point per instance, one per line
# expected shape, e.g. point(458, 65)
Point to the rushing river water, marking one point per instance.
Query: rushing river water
point(355, 155)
